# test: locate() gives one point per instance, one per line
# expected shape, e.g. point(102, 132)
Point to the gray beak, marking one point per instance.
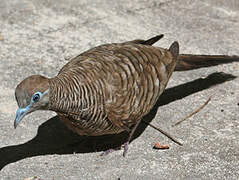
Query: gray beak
point(21, 112)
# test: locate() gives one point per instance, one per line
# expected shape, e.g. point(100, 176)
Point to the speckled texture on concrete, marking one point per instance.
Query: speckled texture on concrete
point(37, 37)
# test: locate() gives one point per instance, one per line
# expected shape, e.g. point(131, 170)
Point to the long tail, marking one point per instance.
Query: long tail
point(190, 61)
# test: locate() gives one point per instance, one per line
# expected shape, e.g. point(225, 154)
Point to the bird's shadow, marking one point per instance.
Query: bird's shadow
point(54, 138)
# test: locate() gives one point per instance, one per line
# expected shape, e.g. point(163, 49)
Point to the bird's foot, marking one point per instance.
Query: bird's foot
point(110, 151)
point(125, 146)
point(107, 152)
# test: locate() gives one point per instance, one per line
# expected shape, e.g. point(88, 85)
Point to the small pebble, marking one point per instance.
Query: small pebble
point(1, 37)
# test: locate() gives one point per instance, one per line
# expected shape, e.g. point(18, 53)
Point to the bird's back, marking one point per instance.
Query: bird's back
point(107, 89)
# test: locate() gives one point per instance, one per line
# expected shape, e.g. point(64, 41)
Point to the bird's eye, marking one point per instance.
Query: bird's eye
point(36, 97)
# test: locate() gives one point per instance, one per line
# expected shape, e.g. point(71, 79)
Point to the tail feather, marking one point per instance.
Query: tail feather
point(189, 61)
point(152, 40)
point(149, 42)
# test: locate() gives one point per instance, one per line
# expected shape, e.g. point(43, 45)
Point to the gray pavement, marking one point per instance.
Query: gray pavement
point(38, 36)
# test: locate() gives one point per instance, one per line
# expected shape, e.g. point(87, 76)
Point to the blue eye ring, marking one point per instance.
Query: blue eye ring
point(36, 97)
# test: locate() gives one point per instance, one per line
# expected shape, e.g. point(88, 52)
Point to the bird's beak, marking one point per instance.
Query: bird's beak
point(21, 112)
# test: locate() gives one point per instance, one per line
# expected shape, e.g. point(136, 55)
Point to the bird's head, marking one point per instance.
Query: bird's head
point(31, 94)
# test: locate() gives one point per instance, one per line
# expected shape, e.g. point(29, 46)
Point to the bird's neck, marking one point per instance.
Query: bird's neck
point(64, 96)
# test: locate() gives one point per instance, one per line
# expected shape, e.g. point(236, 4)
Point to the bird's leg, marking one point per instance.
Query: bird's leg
point(125, 145)
point(117, 148)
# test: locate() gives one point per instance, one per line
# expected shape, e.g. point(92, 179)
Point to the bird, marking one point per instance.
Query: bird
point(108, 89)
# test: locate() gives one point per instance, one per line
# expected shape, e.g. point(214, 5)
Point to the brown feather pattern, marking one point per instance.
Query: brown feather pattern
point(108, 89)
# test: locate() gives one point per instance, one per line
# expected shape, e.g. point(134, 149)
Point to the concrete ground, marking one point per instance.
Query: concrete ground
point(38, 37)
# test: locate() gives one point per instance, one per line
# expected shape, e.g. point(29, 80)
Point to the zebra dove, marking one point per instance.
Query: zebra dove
point(109, 88)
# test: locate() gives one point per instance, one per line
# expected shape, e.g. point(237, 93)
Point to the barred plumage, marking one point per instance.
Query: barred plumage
point(109, 88)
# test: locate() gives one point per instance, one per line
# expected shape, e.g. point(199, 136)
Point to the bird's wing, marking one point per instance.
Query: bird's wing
point(139, 75)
